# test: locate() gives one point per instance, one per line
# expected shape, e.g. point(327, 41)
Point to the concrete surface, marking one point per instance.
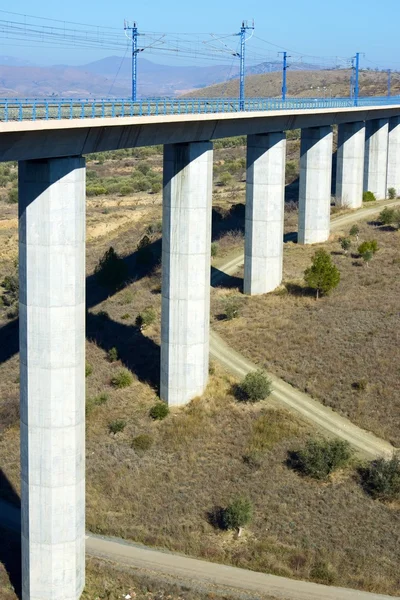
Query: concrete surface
point(350, 164)
point(376, 157)
point(219, 578)
point(52, 377)
point(265, 190)
point(45, 139)
point(315, 184)
point(186, 247)
point(393, 172)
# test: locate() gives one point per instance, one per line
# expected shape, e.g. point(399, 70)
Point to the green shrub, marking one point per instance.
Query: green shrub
point(392, 193)
point(90, 175)
point(112, 354)
point(111, 271)
point(322, 572)
point(368, 197)
point(143, 168)
point(95, 190)
point(154, 228)
point(156, 187)
point(320, 458)
point(387, 216)
point(237, 514)
point(142, 443)
point(354, 231)
point(381, 478)
point(146, 318)
point(345, 244)
point(367, 256)
point(322, 276)
point(232, 308)
point(159, 411)
point(88, 369)
point(94, 401)
point(255, 386)
point(141, 184)
point(214, 249)
point(369, 246)
point(10, 284)
point(13, 196)
point(117, 426)
point(225, 179)
point(126, 189)
point(122, 379)
point(291, 171)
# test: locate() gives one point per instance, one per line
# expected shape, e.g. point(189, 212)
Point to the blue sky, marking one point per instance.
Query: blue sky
point(314, 27)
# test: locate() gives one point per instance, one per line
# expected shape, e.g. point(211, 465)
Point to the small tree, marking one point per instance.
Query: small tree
point(237, 514)
point(387, 216)
point(255, 386)
point(368, 246)
point(367, 256)
point(392, 193)
point(111, 270)
point(355, 231)
point(232, 308)
point(381, 478)
point(369, 197)
point(345, 244)
point(112, 354)
point(323, 275)
point(320, 458)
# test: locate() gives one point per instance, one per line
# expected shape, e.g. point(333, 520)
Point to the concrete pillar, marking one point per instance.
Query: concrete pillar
point(315, 184)
point(265, 196)
point(52, 377)
point(376, 154)
point(350, 164)
point(186, 249)
point(393, 173)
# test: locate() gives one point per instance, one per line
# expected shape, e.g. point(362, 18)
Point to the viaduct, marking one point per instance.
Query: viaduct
point(52, 275)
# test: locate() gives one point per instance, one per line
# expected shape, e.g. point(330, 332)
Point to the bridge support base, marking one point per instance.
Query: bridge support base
point(265, 189)
point(186, 244)
point(393, 174)
point(52, 377)
point(315, 184)
point(376, 156)
point(350, 164)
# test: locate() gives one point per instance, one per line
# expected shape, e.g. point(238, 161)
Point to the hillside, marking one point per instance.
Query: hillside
point(316, 83)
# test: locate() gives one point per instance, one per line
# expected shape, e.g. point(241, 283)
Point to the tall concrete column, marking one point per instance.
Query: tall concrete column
point(350, 164)
point(393, 172)
point(52, 377)
point(186, 248)
point(376, 155)
point(265, 196)
point(315, 184)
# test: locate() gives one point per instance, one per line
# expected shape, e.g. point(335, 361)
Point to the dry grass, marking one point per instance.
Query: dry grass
point(343, 349)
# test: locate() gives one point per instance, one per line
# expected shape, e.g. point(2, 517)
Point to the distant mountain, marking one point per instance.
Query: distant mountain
point(12, 61)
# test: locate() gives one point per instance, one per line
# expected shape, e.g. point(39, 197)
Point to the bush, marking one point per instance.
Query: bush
point(10, 284)
point(126, 189)
point(381, 478)
point(291, 170)
point(255, 386)
point(122, 379)
point(112, 354)
point(141, 184)
point(368, 197)
point(320, 458)
point(95, 401)
point(214, 249)
point(232, 308)
point(237, 514)
point(143, 168)
point(355, 231)
point(156, 187)
point(95, 190)
point(88, 369)
point(159, 411)
point(225, 178)
point(13, 196)
point(154, 228)
point(387, 216)
point(345, 244)
point(145, 318)
point(392, 193)
point(370, 246)
point(142, 443)
point(111, 272)
point(322, 276)
point(117, 426)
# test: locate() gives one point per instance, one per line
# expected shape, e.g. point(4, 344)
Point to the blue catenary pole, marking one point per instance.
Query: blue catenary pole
point(389, 83)
point(241, 76)
point(134, 61)
point(356, 79)
point(284, 70)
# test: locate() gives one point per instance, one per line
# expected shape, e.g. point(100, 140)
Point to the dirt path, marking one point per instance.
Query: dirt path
point(367, 444)
point(222, 578)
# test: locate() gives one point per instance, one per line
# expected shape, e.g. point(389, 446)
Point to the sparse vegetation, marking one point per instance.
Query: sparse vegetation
point(320, 458)
point(354, 231)
point(146, 318)
point(122, 379)
point(255, 386)
point(323, 276)
point(112, 354)
point(88, 369)
point(232, 308)
point(93, 401)
point(159, 411)
point(142, 443)
point(214, 249)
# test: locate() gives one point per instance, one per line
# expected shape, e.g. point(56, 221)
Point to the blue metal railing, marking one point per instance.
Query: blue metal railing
point(32, 109)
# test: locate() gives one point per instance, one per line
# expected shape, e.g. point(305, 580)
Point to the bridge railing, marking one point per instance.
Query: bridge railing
point(33, 109)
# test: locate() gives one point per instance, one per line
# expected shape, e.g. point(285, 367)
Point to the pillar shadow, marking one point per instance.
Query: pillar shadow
point(136, 351)
point(10, 533)
point(221, 279)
